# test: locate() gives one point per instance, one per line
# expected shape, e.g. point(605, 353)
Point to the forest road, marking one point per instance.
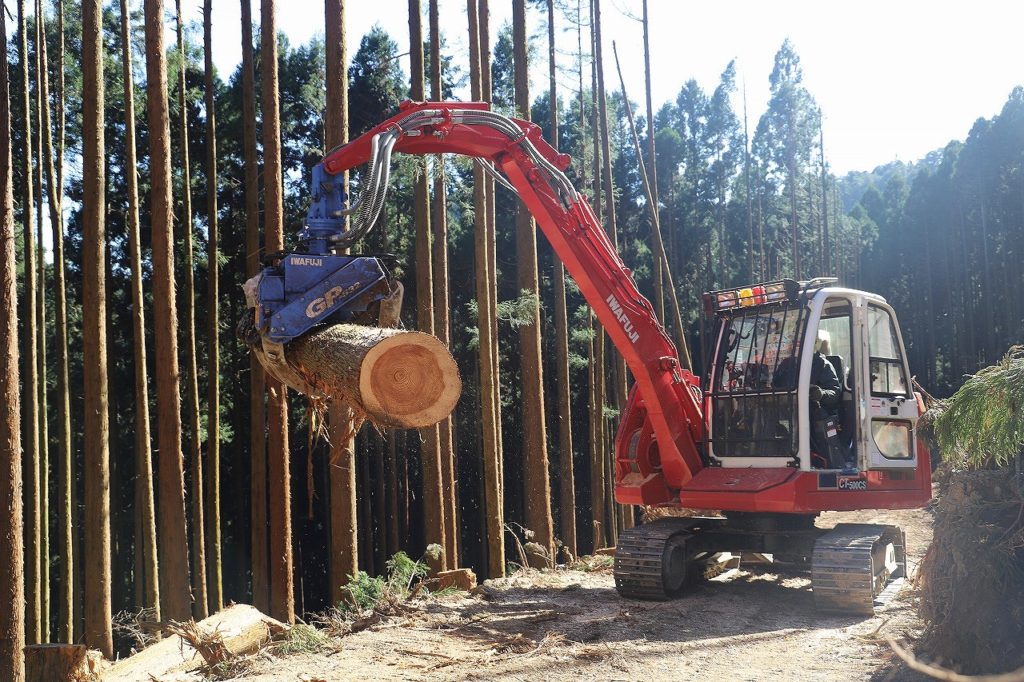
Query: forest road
point(748, 624)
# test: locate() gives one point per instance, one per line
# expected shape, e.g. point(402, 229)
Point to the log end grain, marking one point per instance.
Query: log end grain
point(409, 380)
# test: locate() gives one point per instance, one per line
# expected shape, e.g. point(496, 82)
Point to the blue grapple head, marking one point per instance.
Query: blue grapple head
point(316, 286)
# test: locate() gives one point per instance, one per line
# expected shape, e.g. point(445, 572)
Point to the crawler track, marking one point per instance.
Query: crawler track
point(652, 561)
point(853, 563)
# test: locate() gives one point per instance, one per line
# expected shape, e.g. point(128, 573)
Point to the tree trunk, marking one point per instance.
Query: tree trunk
point(257, 379)
point(198, 525)
point(599, 511)
point(567, 479)
point(55, 192)
point(746, 179)
point(439, 223)
point(493, 493)
point(491, 239)
point(44, 439)
point(282, 599)
point(29, 374)
point(344, 557)
point(617, 361)
point(55, 181)
point(535, 452)
point(98, 633)
point(215, 577)
point(173, 548)
point(433, 495)
point(147, 591)
point(652, 164)
point(12, 579)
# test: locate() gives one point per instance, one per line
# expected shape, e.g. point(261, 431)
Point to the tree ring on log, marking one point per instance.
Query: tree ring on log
point(409, 381)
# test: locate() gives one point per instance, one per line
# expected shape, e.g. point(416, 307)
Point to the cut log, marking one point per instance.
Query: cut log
point(61, 663)
point(396, 378)
point(241, 629)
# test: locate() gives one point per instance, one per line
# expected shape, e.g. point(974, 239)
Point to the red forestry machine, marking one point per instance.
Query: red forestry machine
point(752, 439)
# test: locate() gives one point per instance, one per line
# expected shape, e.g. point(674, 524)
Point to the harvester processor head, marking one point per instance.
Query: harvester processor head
point(319, 285)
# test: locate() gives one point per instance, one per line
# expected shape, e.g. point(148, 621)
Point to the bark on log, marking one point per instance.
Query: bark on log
point(241, 628)
point(396, 378)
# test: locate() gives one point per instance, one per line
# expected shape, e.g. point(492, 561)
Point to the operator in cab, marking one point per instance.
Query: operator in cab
point(824, 394)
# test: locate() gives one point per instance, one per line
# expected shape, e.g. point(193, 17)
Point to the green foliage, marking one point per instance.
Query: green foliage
point(363, 592)
point(984, 421)
point(366, 593)
point(303, 639)
point(519, 312)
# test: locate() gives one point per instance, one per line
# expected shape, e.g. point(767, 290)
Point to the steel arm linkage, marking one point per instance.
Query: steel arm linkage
point(666, 393)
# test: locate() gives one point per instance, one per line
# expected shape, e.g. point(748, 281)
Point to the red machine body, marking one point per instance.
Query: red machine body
point(659, 453)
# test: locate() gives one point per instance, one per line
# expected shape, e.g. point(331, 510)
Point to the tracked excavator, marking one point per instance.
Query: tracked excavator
point(748, 439)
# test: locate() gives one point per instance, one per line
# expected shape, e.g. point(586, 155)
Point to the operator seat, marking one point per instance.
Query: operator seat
point(844, 410)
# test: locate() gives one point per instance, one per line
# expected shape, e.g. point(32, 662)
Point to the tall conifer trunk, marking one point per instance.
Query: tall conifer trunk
point(282, 599)
point(491, 427)
point(175, 594)
point(147, 590)
point(257, 378)
point(430, 450)
point(215, 577)
point(29, 374)
point(43, 426)
point(188, 311)
point(12, 579)
point(567, 491)
point(439, 223)
point(598, 451)
point(344, 560)
point(71, 605)
point(55, 192)
point(484, 18)
point(618, 375)
point(751, 277)
point(98, 633)
point(826, 251)
point(535, 448)
point(652, 165)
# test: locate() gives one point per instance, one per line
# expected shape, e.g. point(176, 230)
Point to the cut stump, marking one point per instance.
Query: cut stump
point(460, 579)
point(396, 378)
point(61, 663)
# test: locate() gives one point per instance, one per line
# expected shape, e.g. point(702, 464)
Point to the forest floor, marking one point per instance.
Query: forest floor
point(751, 623)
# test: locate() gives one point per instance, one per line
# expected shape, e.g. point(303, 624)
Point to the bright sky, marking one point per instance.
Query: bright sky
point(895, 79)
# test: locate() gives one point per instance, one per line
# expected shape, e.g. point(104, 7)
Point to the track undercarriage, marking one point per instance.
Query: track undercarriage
point(850, 564)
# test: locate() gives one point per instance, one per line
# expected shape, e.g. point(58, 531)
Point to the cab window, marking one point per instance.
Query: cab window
point(834, 338)
point(887, 375)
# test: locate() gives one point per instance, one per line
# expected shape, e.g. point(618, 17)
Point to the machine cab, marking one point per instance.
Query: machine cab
point(808, 375)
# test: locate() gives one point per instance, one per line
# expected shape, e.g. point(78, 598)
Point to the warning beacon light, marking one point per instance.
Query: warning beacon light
point(747, 297)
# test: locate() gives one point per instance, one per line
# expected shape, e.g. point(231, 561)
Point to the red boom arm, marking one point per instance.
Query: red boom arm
point(664, 395)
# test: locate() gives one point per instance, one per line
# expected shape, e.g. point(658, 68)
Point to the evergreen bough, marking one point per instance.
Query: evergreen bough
point(983, 422)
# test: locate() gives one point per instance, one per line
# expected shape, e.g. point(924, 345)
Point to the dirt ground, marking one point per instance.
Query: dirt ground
point(748, 624)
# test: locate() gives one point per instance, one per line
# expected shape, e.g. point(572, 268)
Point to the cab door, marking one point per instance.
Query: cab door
point(888, 408)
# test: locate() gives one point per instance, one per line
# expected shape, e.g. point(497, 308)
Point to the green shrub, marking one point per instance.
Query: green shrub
point(367, 593)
